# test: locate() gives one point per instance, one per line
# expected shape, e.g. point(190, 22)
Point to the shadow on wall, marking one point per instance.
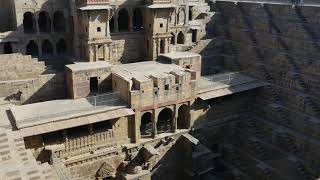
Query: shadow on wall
point(42, 34)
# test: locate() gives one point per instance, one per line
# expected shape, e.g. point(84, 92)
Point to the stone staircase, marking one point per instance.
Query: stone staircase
point(18, 66)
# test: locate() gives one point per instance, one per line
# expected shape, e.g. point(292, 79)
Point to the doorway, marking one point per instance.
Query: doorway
point(94, 84)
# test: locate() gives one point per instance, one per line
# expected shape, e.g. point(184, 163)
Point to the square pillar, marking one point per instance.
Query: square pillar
point(175, 118)
point(154, 120)
point(136, 126)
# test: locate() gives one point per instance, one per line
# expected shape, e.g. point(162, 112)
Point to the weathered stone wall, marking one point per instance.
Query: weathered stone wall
point(42, 88)
point(280, 45)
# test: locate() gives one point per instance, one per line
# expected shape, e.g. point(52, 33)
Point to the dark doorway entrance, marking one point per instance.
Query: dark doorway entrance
point(164, 124)
point(162, 47)
point(7, 48)
point(194, 35)
point(93, 84)
point(146, 125)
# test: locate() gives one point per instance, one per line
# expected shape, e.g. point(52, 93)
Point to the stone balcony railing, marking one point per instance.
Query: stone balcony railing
point(92, 2)
point(88, 140)
point(159, 1)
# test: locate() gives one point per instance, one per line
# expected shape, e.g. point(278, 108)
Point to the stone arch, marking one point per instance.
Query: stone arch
point(123, 20)
point(61, 46)
point(181, 17)
point(29, 22)
point(183, 119)
point(162, 46)
point(44, 22)
point(46, 47)
point(32, 48)
point(146, 124)
point(180, 39)
point(59, 22)
point(137, 19)
point(173, 39)
point(164, 123)
point(7, 48)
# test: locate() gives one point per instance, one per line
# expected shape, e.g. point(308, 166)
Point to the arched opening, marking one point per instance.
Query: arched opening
point(190, 13)
point(162, 47)
point(164, 123)
point(172, 41)
point(44, 22)
point(180, 38)
point(61, 46)
point(100, 52)
point(32, 49)
point(47, 48)
point(183, 117)
point(59, 22)
point(123, 20)
point(146, 125)
point(111, 24)
point(29, 23)
point(137, 19)
point(194, 35)
point(7, 48)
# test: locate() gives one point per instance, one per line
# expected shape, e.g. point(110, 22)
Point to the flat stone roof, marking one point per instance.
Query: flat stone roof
point(143, 70)
point(177, 55)
point(81, 66)
point(62, 114)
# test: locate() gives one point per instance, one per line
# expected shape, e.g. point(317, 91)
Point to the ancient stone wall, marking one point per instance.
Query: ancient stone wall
point(278, 44)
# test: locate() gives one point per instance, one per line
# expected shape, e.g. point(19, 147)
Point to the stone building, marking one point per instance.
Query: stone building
point(159, 89)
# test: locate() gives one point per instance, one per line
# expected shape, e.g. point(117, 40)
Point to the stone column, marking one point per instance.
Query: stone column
point(51, 23)
point(39, 47)
point(108, 23)
point(136, 126)
point(106, 52)
point(154, 120)
point(96, 52)
point(175, 117)
point(65, 134)
point(90, 126)
point(91, 53)
point(36, 16)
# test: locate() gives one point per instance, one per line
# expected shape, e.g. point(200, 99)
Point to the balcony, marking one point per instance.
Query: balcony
point(92, 2)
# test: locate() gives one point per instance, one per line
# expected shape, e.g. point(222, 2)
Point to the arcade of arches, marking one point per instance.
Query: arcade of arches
point(165, 121)
point(127, 20)
point(46, 23)
point(44, 48)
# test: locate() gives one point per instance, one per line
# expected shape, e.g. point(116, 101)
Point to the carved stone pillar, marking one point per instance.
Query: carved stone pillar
point(154, 120)
point(96, 52)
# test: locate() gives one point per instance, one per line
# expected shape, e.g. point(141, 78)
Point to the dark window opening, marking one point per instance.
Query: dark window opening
point(194, 35)
point(172, 39)
point(32, 49)
point(29, 23)
point(161, 25)
point(100, 53)
point(111, 25)
point(123, 20)
point(180, 38)
point(59, 22)
point(78, 131)
point(183, 117)
point(98, 29)
point(102, 126)
point(7, 48)
point(166, 87)
point(164, 123)
point(93, 84)
point(52, 138)
point(137, 19)
point(47, 48)
point(61, 46)
point(162, 47)
point(146, 125)
point(44, 22)
point(190, 13)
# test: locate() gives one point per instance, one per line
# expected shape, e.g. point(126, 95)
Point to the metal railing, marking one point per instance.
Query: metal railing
point(230, 79)
point(98, 102)
point(60, 168)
